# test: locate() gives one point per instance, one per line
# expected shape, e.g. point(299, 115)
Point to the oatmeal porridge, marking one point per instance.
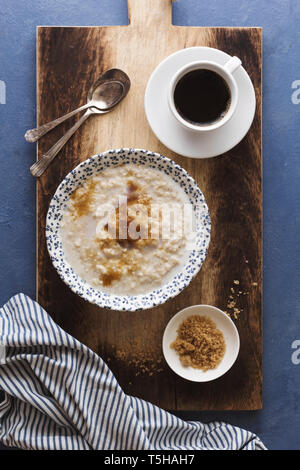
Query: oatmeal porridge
point(125, 230)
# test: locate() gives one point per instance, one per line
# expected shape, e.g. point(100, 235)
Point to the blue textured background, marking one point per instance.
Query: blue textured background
point(278, 424)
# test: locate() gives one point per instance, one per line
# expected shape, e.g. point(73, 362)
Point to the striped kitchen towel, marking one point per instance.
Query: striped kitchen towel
point(58, 394)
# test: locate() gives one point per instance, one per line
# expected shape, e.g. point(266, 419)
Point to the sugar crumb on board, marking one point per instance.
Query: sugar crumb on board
point(141, 361)
point(233, 308)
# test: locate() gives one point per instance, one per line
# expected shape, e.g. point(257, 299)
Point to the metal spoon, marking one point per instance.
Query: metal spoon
point(115, 90)
point(105, 93)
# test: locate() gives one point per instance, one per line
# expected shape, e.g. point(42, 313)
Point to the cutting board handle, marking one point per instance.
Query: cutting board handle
point(150, 12)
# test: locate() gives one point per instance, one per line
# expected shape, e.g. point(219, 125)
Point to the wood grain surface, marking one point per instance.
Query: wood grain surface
point(69, 59)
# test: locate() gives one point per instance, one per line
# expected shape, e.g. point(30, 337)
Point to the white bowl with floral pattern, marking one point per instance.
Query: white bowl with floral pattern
point(94, 166)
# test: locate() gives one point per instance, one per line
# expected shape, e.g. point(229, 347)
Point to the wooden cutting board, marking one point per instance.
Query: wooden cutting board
point(69, 59)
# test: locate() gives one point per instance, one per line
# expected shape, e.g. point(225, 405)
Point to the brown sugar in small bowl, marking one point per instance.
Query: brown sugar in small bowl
point(223, 323)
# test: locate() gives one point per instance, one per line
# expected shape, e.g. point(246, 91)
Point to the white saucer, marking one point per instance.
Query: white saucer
point(186, 142)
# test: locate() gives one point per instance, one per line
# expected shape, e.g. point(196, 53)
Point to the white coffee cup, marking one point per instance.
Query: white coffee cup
point(226, 72)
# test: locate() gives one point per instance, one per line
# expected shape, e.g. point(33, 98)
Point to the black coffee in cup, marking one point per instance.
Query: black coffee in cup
point(202, 97)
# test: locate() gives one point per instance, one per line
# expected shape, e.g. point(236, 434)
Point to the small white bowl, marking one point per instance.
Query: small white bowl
point(224, 324)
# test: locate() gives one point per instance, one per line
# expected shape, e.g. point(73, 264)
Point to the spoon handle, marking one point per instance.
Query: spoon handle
point(34, 134)
point(38, 168)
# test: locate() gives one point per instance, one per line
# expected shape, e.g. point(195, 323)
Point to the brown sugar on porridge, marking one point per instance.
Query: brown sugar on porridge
point(115, 234)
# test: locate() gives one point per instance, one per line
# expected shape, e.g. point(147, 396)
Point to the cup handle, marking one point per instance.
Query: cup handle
point(232, 64)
